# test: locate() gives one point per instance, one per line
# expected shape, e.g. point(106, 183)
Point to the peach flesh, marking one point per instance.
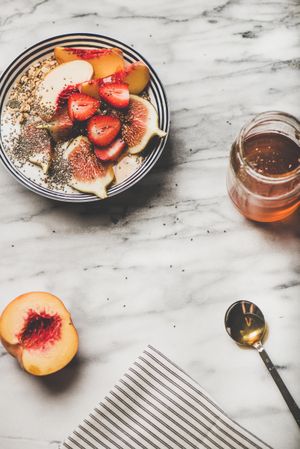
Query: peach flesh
point(88, 53)
point(40, 330)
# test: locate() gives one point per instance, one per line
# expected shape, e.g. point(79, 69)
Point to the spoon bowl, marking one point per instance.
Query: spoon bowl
point(245, 323)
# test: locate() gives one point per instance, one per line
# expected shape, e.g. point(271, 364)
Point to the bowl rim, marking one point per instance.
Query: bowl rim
point(80, 197)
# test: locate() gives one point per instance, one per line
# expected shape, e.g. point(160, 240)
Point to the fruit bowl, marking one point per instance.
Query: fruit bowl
point(30, 175)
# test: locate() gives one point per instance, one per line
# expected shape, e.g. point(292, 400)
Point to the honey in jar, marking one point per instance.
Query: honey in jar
point(264, 173)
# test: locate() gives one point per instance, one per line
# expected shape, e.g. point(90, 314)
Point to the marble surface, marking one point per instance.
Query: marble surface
point(162, 263)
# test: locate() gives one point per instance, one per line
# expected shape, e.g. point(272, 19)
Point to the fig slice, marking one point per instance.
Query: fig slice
point(61, 126)
point(36, 144)
point(141, 124)
point(87, 174)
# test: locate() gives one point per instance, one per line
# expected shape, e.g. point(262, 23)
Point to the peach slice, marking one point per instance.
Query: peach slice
point(37, 329)
point(136, 75)
point(90, 88)
point(104, 60)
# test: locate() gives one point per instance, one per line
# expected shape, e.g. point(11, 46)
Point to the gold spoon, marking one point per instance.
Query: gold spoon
point(245, 324)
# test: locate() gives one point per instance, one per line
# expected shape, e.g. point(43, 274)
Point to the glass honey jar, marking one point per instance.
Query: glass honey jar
point(263, 178)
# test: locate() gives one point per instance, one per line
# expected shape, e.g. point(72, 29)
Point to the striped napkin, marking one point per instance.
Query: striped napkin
point(156, 405)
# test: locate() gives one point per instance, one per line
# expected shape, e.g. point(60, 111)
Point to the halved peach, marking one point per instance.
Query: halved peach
point(104, 60)
point(37, 329)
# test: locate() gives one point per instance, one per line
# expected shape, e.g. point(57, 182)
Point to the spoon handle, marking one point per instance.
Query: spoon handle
point(279, 382)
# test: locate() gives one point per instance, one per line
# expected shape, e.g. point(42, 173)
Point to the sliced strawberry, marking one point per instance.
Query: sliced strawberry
point(116, 94)
point(103, 129)
point(82, 107)
point(91, 87)
point(64, 96)
point(111, 152)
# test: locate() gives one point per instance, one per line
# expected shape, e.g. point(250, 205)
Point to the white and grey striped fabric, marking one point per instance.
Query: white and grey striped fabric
point(156, 405)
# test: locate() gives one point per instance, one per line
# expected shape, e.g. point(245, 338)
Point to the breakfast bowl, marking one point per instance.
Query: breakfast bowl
point(53, 98)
